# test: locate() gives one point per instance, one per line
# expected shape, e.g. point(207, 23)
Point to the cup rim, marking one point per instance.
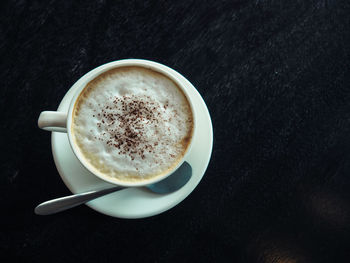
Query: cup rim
point(91, 75)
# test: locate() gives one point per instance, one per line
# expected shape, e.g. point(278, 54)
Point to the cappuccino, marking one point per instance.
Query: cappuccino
point(132, 123)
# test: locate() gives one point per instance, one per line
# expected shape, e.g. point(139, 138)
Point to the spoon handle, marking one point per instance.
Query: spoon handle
point(64, 203)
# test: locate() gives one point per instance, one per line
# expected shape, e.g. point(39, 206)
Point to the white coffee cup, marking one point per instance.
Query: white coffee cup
point(62, 122)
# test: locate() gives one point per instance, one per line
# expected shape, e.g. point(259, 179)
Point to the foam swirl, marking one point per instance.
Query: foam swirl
point(132, 123)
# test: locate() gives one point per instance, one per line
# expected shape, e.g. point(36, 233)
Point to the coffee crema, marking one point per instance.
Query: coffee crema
point(132, 123)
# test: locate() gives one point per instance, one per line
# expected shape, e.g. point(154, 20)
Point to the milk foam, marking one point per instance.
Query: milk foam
point(132, 123)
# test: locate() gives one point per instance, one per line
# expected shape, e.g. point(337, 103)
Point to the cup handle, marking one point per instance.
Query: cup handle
point(53, 121)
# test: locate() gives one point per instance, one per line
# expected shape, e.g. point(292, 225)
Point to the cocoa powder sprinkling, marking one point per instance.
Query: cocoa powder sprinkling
point(124, 121)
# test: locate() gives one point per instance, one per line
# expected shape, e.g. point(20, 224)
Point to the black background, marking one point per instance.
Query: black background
point(275, 77)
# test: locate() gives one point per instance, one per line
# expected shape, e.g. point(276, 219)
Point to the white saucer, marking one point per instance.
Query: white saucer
point(134, 202)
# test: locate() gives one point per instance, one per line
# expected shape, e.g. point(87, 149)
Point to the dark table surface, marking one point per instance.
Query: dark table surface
point(275, 77)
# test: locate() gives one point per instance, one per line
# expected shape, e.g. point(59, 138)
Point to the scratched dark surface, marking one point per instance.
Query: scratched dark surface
point(275, 77)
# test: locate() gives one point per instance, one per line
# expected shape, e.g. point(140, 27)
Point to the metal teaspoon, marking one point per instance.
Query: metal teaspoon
point(170, 184)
